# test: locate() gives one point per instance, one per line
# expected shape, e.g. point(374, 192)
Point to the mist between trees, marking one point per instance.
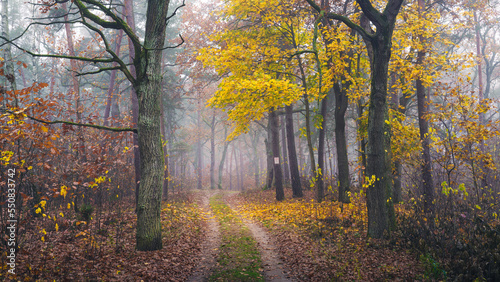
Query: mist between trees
point(119, 101)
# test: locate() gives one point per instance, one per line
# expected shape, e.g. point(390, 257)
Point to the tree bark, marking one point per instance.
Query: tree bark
point(148, 88)
point(112, 80)
point(212, 152)
point(269, 156)
point(222, 160)
point(341, 103)
point(380, 207)
point(275, 146)
point(80, 150)
point(129, 14)
point(242, 170)
point(165, 152)
point(320, 182)
point(255, 142)
point(292, 154)
point(199, 157)
point(286, 168)
point(484, 169)
point(7, 53)
point(427, 182)
point(230, 171)
point(237, 168)
point(379, 202)
point(399, 105)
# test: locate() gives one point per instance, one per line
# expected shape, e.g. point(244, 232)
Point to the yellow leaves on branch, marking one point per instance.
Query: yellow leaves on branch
point(249, 98)
point(254, 61)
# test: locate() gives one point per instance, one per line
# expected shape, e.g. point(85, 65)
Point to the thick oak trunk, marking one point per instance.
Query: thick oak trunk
point(148, 89)
point(379, 203)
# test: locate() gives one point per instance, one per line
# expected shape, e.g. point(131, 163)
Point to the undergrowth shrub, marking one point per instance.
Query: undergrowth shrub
point(459, 241)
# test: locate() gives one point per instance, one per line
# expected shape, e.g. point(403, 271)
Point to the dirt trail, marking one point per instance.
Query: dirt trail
point(209, 248)
point(274, 268)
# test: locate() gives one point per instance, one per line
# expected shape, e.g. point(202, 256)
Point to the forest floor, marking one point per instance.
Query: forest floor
point(217, 236)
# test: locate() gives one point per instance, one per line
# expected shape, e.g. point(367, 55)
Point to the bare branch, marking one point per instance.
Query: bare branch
point(175, 11)
point(176, 46)
point(343, 19)
point(99, 70)
point(114, 129)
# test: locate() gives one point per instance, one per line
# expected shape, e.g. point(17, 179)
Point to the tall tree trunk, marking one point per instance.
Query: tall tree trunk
point(428, 186)
point(148, 89)
point(212, 152)
point(165, 152)
point(237, 168)
point(341, 102)
point(80, 151)
point(292, 154)
point(396, 172)
point(129, 14)
point(379, 203)
point(112, 80)
point(199, 156)
point(255, 142)
point(222, 160)
point(7, 53)
point(275, 146)
point(362, 143)
point(269, 156)
point(400, 104)
point(484, 169)
point(286, 168)
point(230, 171)
point(320, 182)
point(308, 119)
point(242, 171)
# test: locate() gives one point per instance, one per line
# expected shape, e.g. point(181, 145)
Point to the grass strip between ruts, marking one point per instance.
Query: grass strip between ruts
point(239, 258)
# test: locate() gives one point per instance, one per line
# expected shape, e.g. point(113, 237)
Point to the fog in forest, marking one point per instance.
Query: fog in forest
point(388, 109)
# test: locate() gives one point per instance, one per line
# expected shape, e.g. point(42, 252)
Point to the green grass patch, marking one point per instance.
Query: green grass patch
point(239, 258)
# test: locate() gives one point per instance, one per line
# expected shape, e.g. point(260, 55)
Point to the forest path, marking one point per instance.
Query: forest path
point(274, 268)
point(235, 248)
point(209, 248)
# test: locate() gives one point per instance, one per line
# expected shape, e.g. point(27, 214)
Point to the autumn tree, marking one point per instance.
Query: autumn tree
point(378, 43)
point(255, 70)
point(147, 85)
